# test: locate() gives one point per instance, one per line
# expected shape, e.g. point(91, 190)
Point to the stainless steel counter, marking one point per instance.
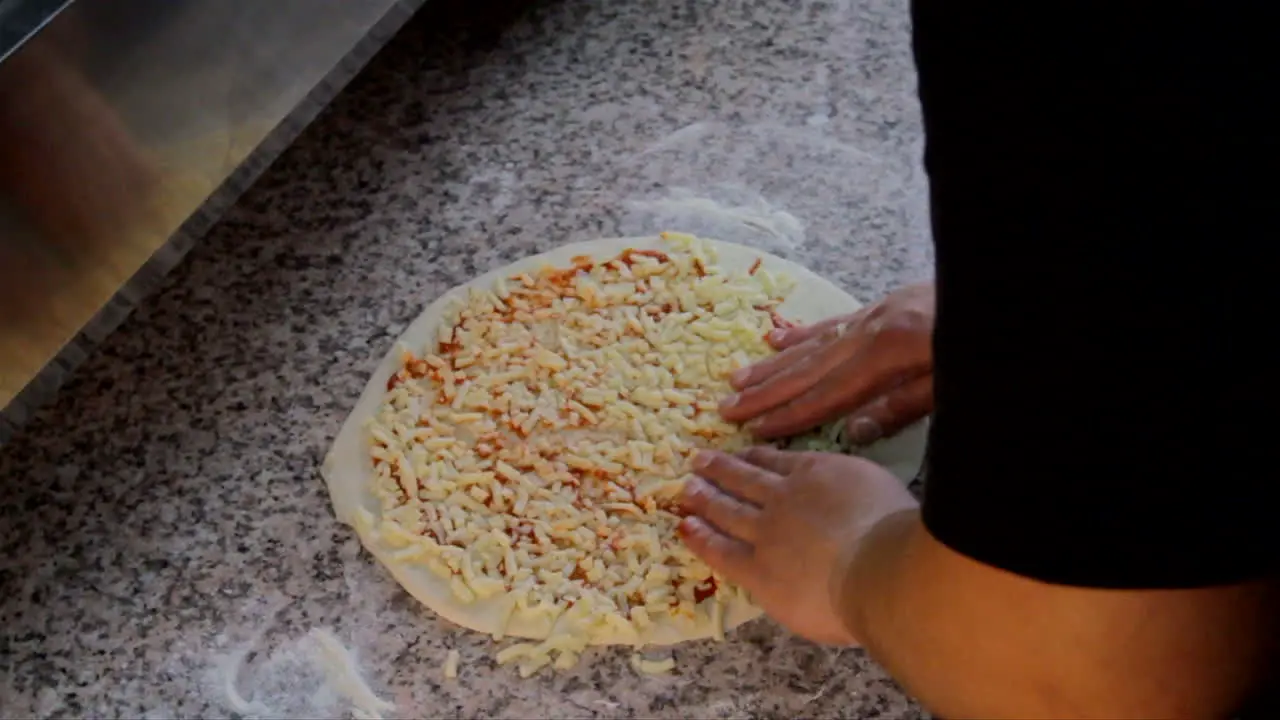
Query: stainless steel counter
point(126, 126)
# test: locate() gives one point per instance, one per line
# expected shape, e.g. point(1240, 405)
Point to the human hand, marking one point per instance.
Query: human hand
point(785, 526)
point(875, 366)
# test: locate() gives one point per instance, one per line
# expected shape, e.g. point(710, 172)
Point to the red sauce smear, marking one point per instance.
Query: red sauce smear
point(705, 590)
point(628, 256)
point(450, 346)
point(561, 278)
point(778, 320)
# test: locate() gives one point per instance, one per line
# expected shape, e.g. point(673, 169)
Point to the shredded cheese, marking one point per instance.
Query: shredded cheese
point(538, 445)
point(652, 667)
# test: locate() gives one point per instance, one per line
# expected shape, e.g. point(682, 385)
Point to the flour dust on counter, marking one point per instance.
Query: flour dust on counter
point(315, 675)
point(515, 463)
point(722, 211)
point(789, 189)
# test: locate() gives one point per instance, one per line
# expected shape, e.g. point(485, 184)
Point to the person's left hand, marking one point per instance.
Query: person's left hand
point(785, 525)
point(874, 367)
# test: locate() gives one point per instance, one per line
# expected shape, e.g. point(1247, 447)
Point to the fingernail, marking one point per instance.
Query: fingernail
point(729, 402)
point(701, 460)
point(739, 377)
point(864, 431)
point(691, 488)
point(753, 425)
point(687, 527)
point(778, 336)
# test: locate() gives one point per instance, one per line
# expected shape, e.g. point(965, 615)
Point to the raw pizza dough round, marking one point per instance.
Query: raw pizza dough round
point(348, 468)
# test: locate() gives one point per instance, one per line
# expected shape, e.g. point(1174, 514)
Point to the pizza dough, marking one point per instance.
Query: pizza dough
point(348, 468)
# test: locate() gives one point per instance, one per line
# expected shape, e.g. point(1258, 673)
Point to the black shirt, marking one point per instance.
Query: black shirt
point(1104, 207)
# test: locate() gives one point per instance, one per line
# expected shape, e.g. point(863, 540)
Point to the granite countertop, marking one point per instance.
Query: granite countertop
point(164, 518)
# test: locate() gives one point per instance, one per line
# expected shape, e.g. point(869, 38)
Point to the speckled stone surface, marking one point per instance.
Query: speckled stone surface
point(165, 516)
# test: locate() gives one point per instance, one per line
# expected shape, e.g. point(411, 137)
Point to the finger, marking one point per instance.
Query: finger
point(804, 366)
point(831, 397)
point(780, 462)
point(893, 411)
point(788, 341)
point(759, 372)
point(736, 476)
point(728, 514)
point(725, 555)
point(784, 338)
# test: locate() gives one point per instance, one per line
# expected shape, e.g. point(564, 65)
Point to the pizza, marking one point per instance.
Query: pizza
point(516, 462)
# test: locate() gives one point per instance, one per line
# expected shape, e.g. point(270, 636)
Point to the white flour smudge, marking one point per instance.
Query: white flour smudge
point(313, 676)
point(724, 212)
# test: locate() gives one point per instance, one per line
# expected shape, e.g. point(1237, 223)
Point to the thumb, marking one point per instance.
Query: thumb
point(891, 412)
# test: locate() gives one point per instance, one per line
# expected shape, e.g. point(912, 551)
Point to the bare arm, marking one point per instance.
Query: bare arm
point(973, 641)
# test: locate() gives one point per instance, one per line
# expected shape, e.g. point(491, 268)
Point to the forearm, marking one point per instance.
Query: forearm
point(880, 596)
point(973, 641)
point(926, 630)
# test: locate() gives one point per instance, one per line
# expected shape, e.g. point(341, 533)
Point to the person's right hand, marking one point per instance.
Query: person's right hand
point(786, 526)
point(874, 366)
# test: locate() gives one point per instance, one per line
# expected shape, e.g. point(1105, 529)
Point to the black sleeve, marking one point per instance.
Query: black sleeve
point(1103, 215)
